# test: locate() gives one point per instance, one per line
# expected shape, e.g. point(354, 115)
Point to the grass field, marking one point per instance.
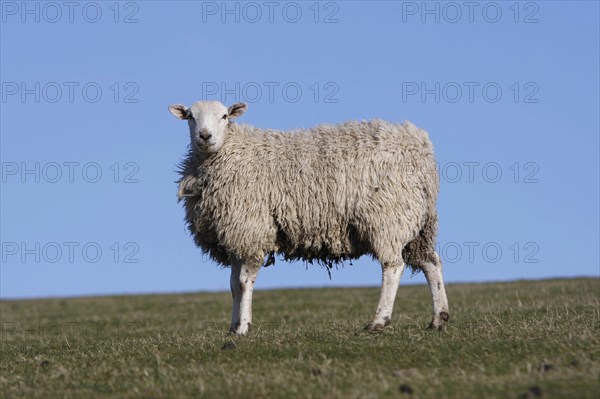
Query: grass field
point(510, 340)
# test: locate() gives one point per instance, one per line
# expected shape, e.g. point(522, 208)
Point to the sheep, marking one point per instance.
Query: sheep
point(326, 194)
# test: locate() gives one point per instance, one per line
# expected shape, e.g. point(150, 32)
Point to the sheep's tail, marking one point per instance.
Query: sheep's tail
point(422, 248)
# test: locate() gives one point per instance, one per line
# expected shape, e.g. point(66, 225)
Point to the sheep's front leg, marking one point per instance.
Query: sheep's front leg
point(392, 272)
point(242, 281)
point(433, 274)
point(236, 293)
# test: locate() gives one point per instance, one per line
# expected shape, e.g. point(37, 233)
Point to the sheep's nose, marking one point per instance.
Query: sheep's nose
point(204, 135)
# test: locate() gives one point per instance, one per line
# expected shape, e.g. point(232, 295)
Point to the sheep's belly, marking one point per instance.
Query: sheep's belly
point(321, 244)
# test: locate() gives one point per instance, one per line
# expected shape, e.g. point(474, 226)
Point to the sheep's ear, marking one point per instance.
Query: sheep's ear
point(237, 109)
point(180, 111)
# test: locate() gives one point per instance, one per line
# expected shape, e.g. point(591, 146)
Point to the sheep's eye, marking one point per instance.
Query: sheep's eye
point(224, 116)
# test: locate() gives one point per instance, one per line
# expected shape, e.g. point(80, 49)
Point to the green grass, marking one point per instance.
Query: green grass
point(509, 340)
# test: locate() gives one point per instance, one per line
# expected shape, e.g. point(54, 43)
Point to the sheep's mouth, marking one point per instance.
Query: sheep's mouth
point(203, 146)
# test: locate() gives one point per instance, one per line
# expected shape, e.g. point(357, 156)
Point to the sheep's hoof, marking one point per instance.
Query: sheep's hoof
point(373, 328)
point(228, 346)
point(439, 321)
point(377, 327)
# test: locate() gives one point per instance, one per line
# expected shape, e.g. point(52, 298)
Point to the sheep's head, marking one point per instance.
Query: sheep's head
point(208, 122)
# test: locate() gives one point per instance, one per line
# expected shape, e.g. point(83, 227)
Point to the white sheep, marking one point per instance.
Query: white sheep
point(326, 194)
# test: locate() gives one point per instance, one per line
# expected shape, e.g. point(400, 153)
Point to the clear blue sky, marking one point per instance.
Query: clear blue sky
point(509, 94)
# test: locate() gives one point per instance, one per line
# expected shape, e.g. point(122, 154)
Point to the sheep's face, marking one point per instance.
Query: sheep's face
point(208, 122)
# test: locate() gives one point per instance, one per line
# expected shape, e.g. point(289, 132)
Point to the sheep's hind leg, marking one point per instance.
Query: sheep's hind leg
point(433, 274)
point(243, 276)
point(391, 274)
